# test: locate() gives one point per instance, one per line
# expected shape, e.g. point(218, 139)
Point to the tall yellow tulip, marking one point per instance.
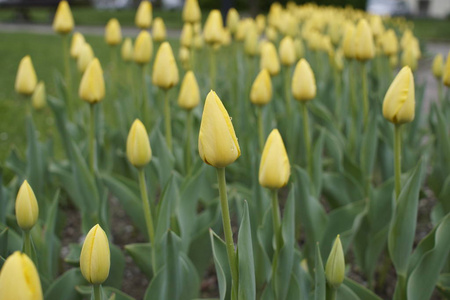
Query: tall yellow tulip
point(139, 152)
point(144, 16)
point(446, 75)
point(113, 32)
point(365, 48)
point(26, 78)
point(269, 59)
point(63, 21)
point(232, 20)
point(76, 44)
point(39, 98)
point(92, 85)
point(85, 57)
point(143, 48)
point(165, 71)
point(189, 96)
point(213, 27)
point(287, 51)
point(159, 30)
point(191, 11)
point(27, 209)
point(303, 82)
point(95, 256)
point(127, 50)
point(274, 169)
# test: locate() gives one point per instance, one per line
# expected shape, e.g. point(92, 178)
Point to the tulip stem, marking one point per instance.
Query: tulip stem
point(338, 91)
point(113, 71)
point(276, 219)
point(146, 206)
point(144, 111)
point(188, 141)
point(331, 293)
point(97, 291)
point(227, 230)
point(92, 139)
point(365, 93)
point(441, 99)
point(397, 159)
point(212, 67)
point(260, 128)
point(65, 41)
point(167, 120)
point(307, 138)
point(353, 105)
point(27, 243)
point(287, 92)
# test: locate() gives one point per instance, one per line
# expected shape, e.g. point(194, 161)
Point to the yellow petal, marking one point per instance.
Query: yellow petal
point(143, 48)
point(191, 11)
point(303, 82)
point(39, 98)
point(76, 44)
point(159, 30)
point(27, 209)
point(85, 57)
point(113, 33)
point(438, 66)
point(365, 48)
point(287, 51)
point(261, 92)
point(165, 70)
point(189, 96)
point(213, 27)
point(63, 21)
point(92, 85)
point(127, 50)
point(274, 169)
point(95, 256)
point(144, 16)
point(139, 152)
point(269, 59)
point(446, 76)
point(26, 79)
point(232, 20)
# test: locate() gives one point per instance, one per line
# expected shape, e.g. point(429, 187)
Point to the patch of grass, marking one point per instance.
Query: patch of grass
point(432, 29)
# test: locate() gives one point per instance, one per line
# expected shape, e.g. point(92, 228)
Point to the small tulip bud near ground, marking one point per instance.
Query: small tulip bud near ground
point(26, 78)
point(144, 16)
point(139, 152)
point(63, 21)
point(95, 256)
point(27, 209)
point(274, 169)
point(335, 267)
point(113, 33)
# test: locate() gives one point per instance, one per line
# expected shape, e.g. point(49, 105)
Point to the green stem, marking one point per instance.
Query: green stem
point(66, 54)
point(227, 230)
point(441, 99)
point(353, 105)
point(97, 291)
point(260, 127)
point(212, 67)
point(307, 138)
point(188, 141)
point(27, 243)
point(287, 92)
point(331, 293)
point(276, 219)
point(113, 71)
point(235, 78)
point(400, 288)
point(365, 94)
point(92, 139)
point(338, 91)
point(146, 206)
point(144, 111)
point(168, 123)
point(397, 159)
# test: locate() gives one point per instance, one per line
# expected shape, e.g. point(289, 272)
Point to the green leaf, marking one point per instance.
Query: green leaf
point(141, 255)
point(162, 159)
point(73, 257)
point(63, 288)
point(317, 163)
point(369, 146)
point(117, 267)
point(341, 189)
point(222, 266)
point(319, 281)
point(35, 164)
point(444, 284)
point(362, 292)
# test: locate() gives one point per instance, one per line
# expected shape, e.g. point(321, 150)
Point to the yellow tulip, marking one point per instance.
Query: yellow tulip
point(63, 21)
point(143, 17)
point(399, 101)
point(113, 33)
point(127, 50)
point(274, 169)
point(92, 85)
point(438, 66)
point(226, 37)
point(217, 142)
point(184, 55)
point(251, 40)
point(260, 22)
point(299, 48)
point(198, 41)
point(85, 57)
point(39, 98)
point(377, 25)
point(189, 96)
point(348, 42)
point(76, 44)
point(303, 82)
point(186, 35)
point(269, 59)
point(191, 11)
point(143, 48)
point(139, 152)
point(365, 48)
point(409, 59)
point(213, 27)
point(26, 79)
point(165, 71)
point(241, 30)
point(390, 43)
point(27, 209)
point(287, 51)
point(271, 34)
point(95, 256)
point(159, 30)
point(19, 279)
point(232, 20)
point(335, 267)
point(261, 92)
point(446, 75)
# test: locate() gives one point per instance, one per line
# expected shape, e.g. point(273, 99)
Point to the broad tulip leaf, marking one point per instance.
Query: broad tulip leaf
point(444, 284)
point(63, 288)
point(369, 147)
point(341, 189)
point(362, 292)
point(35, 163)
point(141, 255)
point(222, 266)
point(317, 164)
point(319, 277)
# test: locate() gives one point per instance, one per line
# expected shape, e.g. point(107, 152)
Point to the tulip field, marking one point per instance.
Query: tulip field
point(289, 156)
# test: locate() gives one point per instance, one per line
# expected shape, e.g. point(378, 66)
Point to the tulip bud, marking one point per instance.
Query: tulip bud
point(95, 256)
point(260, 22)
point(271, 34)
point(399, 102)
point(241, 30)
point(191, 11)
point(27, 209)
point(19, 279)
point(274, 169)
point(165, 71)
point(26, 79)
point(287, 51)
point(261, 92)
point(186, 35)
point(226, 37)
point(189, 96)
point(390, 43)
point(438, 66)
point(299, 48)
point(232, 20)
point(217, 142)
point(143, 17)
point(143, 48)
point(251, 40)
point(159, 30)
point(335, 267)
point(63, 21)
point(198, 41)
point(39, 98)
point(269, 59)
point(76, 44)
point(113, 33)
point(377, 25)
point(127, 50)
point(348, 43)
point(85, 57)
point(184, 55)
point(446, 75)
point(213, 27)
point(303, 82)
point(92, 85)
point(409, 59)
point(139, 152)
point(365, 48)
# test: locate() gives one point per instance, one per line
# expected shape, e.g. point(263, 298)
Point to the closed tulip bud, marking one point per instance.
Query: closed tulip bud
point(186, 35)
point(226, 37)
point(39, 98)
point(399, 102)
point(113, 33)
point(189, 96)
point(377, 25)
point(92, 85)
point(438, 66)
point(159, 30)
point(217, 142)
point(251, 40)
point(409, 59)
point(303, 82)
point(390, 43)
point(446, 75)
point(299, 48)
point(269, 59)
point(213, 28)
point(260, 22)
point(26, 79)
point(261, 92)
point(85, 57)
point(63, 21)
point(144, 16)
point(274, 169)
point(241, 30)
point(143, 48)
point(184, 56)
point(191, 11)
point(232, 20)
point(139, 152)
point(27, 209)
point(348, 42)
point(287, 51)
point(365, 48)
point(95, 256)
point(393, 61)
point(127, 50)
point(335, 267)
point(165, 71)
point(271, 34)
point(198, 41)
point(19, 279)
point(76, 44)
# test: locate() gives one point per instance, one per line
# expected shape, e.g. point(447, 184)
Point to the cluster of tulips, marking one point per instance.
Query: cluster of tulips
point(337, 63)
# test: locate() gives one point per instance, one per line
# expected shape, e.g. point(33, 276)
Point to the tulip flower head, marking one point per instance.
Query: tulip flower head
point(303, 82)
point(26, 79)
point(251, 40)
point(269, 59)
point(232, 20)
point(389, 43)
point(335, 267)
point(365, 48)
point(186, 36)
point(39, 98)
point(144, 16)
point(159, 30)
point(409, 59)
point(446, 75)
point(95, 256)
point(191, 11)
point(127, 50)
point(348, 43)
point(213, 28)
point(139, 152)
point(274, 169)
point(438, 66)
point(189, 96)
point(19, 279)
point(143, 48)
point(261, 92)
point(63, 21)
point(271, 34)
point(113, 33)
point(299, 48)
point(27, 209)
point(85, 57)
point(184, 56)
point(76, 44)
point(399, 102)
point(92, 85)
point(287, 51)
point(217, 142)
point(165, 70)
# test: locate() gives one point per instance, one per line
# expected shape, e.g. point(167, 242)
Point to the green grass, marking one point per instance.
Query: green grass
point(432, 29)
